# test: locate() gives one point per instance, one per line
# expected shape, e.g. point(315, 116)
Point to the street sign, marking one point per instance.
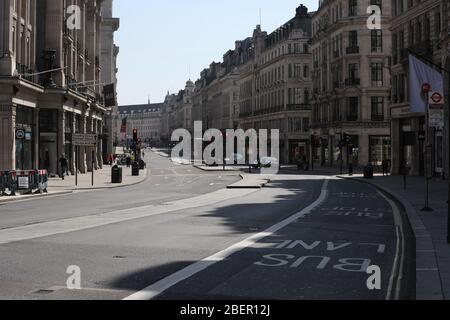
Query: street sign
point(84, 140)
point(20, 134)
point(426, 88)
point(436, 118)
point(24, 183)
point(436, 98)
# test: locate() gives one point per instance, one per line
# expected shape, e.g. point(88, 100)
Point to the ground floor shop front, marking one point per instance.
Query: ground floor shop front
point(410, 153)
point(347, 145)
point(36, 131)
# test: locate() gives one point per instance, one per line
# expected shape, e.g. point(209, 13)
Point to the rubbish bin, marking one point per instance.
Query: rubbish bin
point(135, 169)
point(368, 172)
point(142, 164)
point(116, 174)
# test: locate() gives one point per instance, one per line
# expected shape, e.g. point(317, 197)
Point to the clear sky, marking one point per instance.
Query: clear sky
point(161, 40)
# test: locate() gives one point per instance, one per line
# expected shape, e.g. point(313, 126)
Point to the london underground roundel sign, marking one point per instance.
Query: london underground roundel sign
point(436, 98)
point(20, 134)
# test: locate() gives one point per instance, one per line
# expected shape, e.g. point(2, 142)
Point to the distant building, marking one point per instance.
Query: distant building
point(145, 118)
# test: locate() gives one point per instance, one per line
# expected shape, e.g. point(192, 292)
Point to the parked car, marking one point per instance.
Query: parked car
point(265, 162)
point(235, 158)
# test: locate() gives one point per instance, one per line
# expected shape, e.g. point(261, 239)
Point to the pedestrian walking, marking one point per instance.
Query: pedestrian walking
point(63, 164)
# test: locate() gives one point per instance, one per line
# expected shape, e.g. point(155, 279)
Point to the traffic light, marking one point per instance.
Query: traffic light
point(135, 135)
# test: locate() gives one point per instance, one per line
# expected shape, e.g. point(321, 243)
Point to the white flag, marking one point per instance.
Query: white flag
point(421, 73)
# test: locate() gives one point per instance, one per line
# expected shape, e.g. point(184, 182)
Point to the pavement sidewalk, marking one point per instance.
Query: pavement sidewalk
point(102, 180)
point(430, 229)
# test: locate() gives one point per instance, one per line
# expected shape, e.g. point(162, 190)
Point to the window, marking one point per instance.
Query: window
point(411, 34)
point(380, 149)
point(438, 23)
point(297, 71)
point(295, 124)
point(306, 71)
point(377, 3)
point(377, 108)
point(352, 42)
point(352, 8)
point(353, 71)
point(353, 109)
point(305, 124)
point(295, 96)
point(306, 95)
point(13, 35)
point(377, 74)
point(377, 40)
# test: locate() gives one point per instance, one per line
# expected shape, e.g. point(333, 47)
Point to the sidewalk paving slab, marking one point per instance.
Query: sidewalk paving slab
point(432, 249)
point(102, 180)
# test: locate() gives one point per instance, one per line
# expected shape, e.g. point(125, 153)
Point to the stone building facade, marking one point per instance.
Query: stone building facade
point(109, 53)
point(216, 94)
point(421, 28)
point(351, 84)
point(145, 118)
point(276, 85)
point(50, 84)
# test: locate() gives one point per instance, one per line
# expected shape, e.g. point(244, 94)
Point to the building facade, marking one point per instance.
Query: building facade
point(50, 84)
point(421, 28)
point(145, 118)
point(351, 84)
point(109, 53)
point(276, 85)
point(215, 100)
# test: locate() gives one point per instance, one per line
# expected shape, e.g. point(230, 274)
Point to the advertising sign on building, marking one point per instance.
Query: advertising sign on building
point(84, 140)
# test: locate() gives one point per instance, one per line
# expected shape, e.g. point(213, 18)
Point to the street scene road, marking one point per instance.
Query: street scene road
point(181, 234)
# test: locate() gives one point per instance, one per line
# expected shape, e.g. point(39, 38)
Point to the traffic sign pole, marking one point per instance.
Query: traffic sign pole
point(426, 88)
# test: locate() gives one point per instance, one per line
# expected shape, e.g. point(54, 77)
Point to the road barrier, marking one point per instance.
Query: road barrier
point(23, 181)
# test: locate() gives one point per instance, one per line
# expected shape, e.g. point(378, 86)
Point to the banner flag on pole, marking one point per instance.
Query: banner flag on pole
point(421, 73)
point(123, 128)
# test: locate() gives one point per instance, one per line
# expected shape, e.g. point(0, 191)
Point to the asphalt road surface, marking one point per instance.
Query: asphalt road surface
point(182, 235)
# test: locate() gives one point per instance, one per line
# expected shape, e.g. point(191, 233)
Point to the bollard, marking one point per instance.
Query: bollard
point(350, 169)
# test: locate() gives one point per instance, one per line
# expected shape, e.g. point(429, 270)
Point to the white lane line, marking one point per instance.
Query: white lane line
point(399, 260)
point(159, 287)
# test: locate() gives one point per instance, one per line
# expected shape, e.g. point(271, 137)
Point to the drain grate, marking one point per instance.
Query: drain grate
point(44, 292)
